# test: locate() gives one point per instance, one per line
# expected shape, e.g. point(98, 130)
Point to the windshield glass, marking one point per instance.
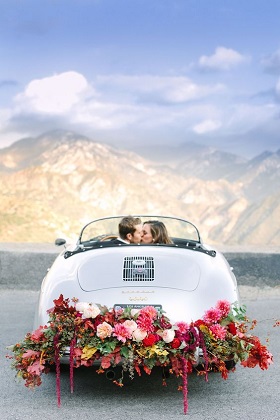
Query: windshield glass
point(100, 228)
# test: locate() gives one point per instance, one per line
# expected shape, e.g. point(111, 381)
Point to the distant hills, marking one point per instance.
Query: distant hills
point(52, 185)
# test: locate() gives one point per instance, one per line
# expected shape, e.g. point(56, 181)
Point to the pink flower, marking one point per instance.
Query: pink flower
point(130, 325)
point(183, 327)
point(224, 307)
point(145, 323)
point(218, 331)
point(212, 316)
point(104, 330)
point(121, 332)
point(149, 311)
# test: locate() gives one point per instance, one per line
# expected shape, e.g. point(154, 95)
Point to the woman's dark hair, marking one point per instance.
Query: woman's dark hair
point(159, 232)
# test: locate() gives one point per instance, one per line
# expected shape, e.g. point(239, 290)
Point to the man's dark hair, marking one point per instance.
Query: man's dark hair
point(127, 225)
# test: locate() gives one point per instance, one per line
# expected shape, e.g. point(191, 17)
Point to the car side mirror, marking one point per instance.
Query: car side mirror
point(60, 241)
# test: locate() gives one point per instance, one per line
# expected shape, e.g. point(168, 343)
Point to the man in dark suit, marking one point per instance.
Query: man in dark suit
point(130, 231)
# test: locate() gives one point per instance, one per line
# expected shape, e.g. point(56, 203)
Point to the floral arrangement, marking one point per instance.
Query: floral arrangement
point(139, 340)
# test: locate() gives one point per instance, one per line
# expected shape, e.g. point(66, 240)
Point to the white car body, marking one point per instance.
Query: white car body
point(185, 279)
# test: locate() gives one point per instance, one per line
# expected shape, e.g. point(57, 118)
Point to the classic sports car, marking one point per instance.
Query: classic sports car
point(185, 278)
point(134, 307)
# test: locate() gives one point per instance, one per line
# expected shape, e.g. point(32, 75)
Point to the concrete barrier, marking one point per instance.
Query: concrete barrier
point(24, 270)
point(25, 267)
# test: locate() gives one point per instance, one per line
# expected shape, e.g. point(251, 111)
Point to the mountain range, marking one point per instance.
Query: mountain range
point(53, 184)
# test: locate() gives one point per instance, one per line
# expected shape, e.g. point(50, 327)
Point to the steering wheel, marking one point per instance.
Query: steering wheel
point(108, 238)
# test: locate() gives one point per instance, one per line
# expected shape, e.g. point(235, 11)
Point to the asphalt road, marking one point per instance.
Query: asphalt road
point(247, 394)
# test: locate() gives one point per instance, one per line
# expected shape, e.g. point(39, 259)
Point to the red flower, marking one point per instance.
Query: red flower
point(150, 340)
point(232, 328)
point(109, 317)
point(164, 323)
point(259, 355)
point(198, 323)
point(175, 344)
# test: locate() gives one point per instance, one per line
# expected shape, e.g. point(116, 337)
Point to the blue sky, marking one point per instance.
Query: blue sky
point(132, 72)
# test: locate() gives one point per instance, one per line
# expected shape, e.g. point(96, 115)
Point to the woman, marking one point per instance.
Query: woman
point(155, 232)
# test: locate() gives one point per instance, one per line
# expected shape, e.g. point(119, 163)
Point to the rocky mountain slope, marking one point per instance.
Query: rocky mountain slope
point(51, 185)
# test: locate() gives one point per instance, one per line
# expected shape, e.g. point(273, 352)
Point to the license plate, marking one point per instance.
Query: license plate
point(135, 306)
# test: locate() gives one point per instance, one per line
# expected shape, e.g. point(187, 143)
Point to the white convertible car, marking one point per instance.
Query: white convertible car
point(185, 278)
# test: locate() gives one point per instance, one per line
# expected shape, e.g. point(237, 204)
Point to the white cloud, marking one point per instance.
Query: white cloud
point(222, 59)
point(112, 102)
point(206, 126)
point(165, 106)
point(106, 115)
point(53, 95)
point(156, 89)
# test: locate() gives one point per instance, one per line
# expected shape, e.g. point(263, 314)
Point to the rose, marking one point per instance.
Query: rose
point(138, 335)
point(232, 328)
point(104, 330)
point(134, 312)
point(167, 335)
point(130, 325)
point(89, 310)
point(175, 344)
point(150, 340)
point(92, 311)
point(80, 306)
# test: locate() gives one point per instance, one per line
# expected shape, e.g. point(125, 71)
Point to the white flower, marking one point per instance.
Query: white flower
point(92, 311)
point(134, 312)
point(89, 310)
point(80, 306)
point(167, 335)
point(139, 335)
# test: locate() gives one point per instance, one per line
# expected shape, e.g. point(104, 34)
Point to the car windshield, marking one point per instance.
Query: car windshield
point(101, 228)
